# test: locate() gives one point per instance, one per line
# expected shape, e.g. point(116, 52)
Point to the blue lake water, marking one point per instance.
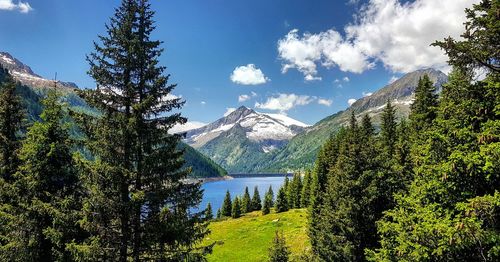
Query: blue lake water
point(214, 192)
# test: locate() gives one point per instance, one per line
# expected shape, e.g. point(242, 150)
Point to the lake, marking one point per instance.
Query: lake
point(214, 192)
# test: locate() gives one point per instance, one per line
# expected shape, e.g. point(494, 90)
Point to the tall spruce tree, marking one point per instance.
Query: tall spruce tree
point(11, 117)
point(281, 203)
point(227, 205)
point(424, 108)
point(209, 215)
point(49, 191)
point(268, 201)
point(236, 208)
point(305, 194)
point(279, 251)
point(137, 162)
point(256, 200)
point(246, 202)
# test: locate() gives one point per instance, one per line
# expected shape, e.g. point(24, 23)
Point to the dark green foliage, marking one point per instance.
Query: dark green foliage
point(278, 252)
point(388, 129)
point(219, 214)
point(451, 209)
point(137, 160)
point(294, 191)
point(246, 202)
point(47, 183)
point(268, 201)
point(227, 205)
point(208, 212)
point(305, 194)
point(236, 208)
point(424, 108)
point(201, 166)
point(281, 204)
point(11, 117)
point(256, 200)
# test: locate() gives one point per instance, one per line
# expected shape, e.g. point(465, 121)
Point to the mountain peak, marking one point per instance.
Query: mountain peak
point(24, 74)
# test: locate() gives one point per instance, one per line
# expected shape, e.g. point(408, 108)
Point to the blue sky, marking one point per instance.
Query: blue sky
point(302, 58)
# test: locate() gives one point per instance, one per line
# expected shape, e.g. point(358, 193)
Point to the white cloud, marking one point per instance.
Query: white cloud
point(243, 98)
point(312, 78)
point(337, 80)
point(285, 102)
point(186, 127)
point(248, 75)
point(203, 103)
point(351, 101)
point(365, 94)
point(229, 110)
point(325, 102)
point(9, 5)
point(393, 79)
point(395, 33)
point(346, 79)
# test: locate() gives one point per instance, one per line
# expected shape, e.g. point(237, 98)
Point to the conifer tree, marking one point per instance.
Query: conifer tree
point(424, 108)
point(305, 195)
point(281, 204)
point(227, 205)
point(47, 183)
point(294, 190)
point(268, 201)
point(208, 212)
point(236, 208)
point(219, 214)
point(11, 116)
point(279, 252)
point(246, 202)
point(256, 200)
point(138, 163)
point(388, 129)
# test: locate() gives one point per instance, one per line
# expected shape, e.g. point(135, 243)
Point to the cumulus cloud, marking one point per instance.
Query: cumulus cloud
point(229, 110)
point(185, 127)
point(285, 102)
point(394, 33)
point(9, 5)
point(248, 75)
point(346, 79)
point(325, 102)
point(351, 101)
point(203, 103)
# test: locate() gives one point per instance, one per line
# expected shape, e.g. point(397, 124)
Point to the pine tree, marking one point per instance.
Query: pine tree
point(305, 194)
point(138, 163)
point(256, 200)
point(268, 201)
point(11, 115)
point(227, 205)
point(49, 191)
point(294, 190)
point(208, 212)
point(279, 252)
point(236, 208)
point(281, 204)
point(424, 108)
point(219, 214)
point(246, 202)
point(388, 129)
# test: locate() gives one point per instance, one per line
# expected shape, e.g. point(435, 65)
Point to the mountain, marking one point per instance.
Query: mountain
point(32, 88)
point(243, 138)
point(301, 151)
point(26, 76)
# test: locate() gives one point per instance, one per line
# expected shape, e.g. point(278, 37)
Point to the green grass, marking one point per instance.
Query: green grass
point(248, 238)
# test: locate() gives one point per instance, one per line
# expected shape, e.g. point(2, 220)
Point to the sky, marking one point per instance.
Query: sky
point(306, 59)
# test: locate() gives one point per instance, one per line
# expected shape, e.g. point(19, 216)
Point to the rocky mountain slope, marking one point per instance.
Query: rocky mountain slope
point(33, 87)
point(240, 140)
point(301, 151)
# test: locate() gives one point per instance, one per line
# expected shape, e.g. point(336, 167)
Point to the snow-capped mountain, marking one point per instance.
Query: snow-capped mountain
point(240, 141)
point(26, 76)
point(259, 127)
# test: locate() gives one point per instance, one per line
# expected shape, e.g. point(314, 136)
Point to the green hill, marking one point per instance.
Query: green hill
point(249, 237)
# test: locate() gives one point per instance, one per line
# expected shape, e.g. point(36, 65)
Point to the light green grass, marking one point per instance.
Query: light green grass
point(248, 238)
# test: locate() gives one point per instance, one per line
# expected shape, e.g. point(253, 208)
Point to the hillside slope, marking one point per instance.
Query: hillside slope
point(301, 151)
point(32, 87)
point(249, 237)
